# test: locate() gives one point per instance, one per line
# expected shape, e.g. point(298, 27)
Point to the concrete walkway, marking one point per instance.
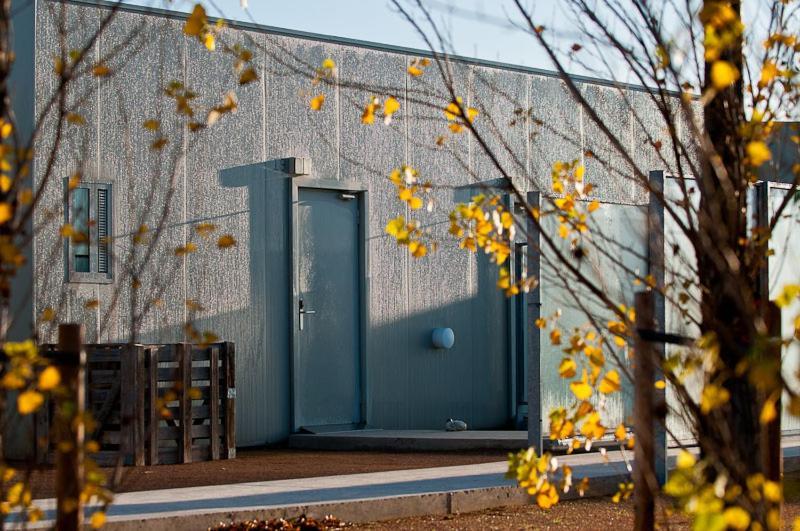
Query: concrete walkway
point(356, 497)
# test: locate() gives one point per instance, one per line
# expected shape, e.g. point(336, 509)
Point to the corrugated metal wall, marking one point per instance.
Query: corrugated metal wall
point(244, 290)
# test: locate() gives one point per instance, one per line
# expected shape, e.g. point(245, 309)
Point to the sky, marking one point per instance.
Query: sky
point(473, 31)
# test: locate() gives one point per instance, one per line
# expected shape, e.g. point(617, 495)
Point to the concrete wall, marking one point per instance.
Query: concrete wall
point(222, 179)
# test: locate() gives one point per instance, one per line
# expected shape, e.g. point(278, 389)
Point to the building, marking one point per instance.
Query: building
point(313, 240)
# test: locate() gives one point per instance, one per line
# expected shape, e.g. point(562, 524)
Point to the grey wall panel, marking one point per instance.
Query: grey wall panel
point(562, 292)
point(607, 169)
point(555, 133)
point(228, 180)
point(501, 98)
point(77, 149)
point(292, 128)
point(650, 130)
point(151, 57)
point(226, 281)
point(368, 154)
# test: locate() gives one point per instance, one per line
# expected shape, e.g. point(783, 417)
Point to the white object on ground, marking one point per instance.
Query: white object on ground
point(455, 425)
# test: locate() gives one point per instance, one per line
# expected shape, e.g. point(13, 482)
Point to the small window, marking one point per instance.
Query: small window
point(89, 250)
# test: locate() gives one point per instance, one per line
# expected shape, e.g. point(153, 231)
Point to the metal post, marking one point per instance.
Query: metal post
point(656, 221)
point(71, 361)
point(533, 301)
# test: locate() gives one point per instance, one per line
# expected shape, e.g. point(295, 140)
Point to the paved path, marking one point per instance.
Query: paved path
point(356, 497)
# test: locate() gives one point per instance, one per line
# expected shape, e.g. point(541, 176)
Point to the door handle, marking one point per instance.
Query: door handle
point(302, 312)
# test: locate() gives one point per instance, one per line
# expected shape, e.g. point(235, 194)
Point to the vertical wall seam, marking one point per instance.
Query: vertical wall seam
point(406, 261)
point(338, 129)
point(98, 107)
point(184, 216)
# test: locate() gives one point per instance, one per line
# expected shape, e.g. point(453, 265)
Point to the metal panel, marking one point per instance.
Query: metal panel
point(327, 354)
point(555, 133)
point(148, 183)
point(501, 97)
point(367, 154)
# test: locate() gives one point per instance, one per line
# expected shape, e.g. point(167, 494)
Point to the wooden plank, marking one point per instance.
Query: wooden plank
point(214, 402)
point(197, 431)
point(154, 414)
point(171, 374)
point(139, 413)
point(127, 402)
point(42, 427)
point(185, 360)
point(229, 396)
point(170, 354)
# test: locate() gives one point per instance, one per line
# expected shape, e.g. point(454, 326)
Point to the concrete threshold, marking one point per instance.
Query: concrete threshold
point(411, 440)
point(358, 497)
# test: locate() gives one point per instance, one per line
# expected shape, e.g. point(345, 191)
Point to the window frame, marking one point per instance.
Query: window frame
point(93, 276)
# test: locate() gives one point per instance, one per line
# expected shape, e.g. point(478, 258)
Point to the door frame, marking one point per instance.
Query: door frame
point(362, 196)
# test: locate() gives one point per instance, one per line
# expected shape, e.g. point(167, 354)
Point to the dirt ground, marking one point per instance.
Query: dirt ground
point(586, 515)
point(272, 464)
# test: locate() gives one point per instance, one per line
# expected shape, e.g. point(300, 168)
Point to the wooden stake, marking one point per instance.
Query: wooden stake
point(71, 360)
point(644, 476)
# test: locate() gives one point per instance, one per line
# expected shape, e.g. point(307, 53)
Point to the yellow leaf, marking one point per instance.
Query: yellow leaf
point(579, 172)
point(5, 183)
point(788, 293)
point(769, 412)
point(594, 205)
point(6, 213)
point(368, 116)
point(547, 498)
point(328, 64)
point(97, 520)
point(415, 203)
point(5, 129)
point(723, 74)
point(555, 336)
point(660, 384)
point(620, 433)
point(758, 153)
point(419, 251)
point(540, 323)
point(48, 314)
point(152, 125)
point(210, 42)
point(567, 368)
point(456, 128)
point(317, 102)
point(772, 491)
point(610, 383)
point(736, 518)
point(49, 379)
point(75, 118)
point(713, 396)
point(414, 71)
point(396, 225)
point(225, 241)
point(391, 106)
point(685, 460)
point(472, 114)
point(581, 389)
point(563, 231)
point(29, 401)
point(100, 70)
point(196, 21)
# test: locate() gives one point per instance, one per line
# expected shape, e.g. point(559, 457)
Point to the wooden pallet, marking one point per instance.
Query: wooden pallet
point(156, 403)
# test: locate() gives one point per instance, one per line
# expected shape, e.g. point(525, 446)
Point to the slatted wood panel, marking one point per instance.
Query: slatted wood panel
point(157, 403)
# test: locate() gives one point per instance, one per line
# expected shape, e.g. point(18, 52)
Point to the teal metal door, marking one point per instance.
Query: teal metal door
point(327, 355)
